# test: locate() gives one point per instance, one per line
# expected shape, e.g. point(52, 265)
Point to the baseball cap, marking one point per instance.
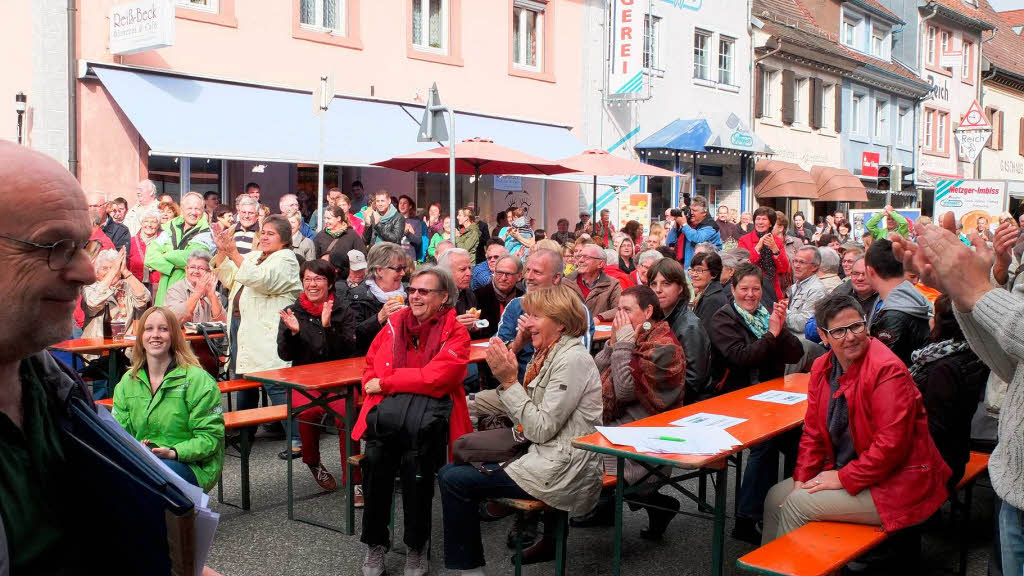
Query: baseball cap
point(356, 260)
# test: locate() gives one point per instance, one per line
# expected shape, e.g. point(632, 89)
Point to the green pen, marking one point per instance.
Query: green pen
point(670, 438)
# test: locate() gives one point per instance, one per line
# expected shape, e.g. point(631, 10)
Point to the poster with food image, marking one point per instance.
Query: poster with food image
point(635, 206)
point(970, 200)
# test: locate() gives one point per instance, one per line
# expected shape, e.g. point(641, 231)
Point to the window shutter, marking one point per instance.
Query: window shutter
point(759, 91)
point(817, 96)
point(990, 115)
point(1000, 131)
point(787, 96)
point(838, 90)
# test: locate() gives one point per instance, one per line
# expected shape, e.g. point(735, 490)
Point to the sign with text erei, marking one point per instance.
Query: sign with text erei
point(626, 78)
point(141, 26)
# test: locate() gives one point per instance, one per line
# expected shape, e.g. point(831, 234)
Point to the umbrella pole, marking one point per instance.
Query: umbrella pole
point(476, 192)
point(593, 215)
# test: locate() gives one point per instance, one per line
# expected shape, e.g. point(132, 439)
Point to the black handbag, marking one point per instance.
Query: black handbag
point(498, 441)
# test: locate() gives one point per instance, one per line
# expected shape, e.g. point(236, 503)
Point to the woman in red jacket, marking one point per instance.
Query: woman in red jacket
point(767, 250)
point(414, 407)
point(866, 455)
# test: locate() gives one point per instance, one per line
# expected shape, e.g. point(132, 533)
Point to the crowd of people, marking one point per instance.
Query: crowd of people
point(898, 330)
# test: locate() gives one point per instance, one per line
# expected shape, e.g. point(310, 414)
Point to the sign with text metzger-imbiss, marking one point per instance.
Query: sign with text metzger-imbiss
point(971, 199)
point(141, 26)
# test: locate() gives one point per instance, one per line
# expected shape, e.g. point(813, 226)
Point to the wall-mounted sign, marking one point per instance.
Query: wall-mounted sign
point(869, 163)
point(626, 78)
point(939, 91)
point(508, 183)
point(951, 58)
point(141, 26)
point(635, 206)
point(971, 141)
point(970, 200)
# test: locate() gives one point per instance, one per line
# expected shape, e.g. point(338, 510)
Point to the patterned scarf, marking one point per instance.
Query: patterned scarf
point(658, 368)
point(539, 356)
point(424, 337)
point(757, 322)
point(932, 352)
point(767, 261)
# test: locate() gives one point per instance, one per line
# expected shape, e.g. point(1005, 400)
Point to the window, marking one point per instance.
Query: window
point(940, 137)
point(929, 129)
point(856, 112)
point(800, 101)
point(903, 123)
point(725, 59)
point(880, 42)
point(327, 15)
point(652, 29)
point(944, 44)
point(430, 25)
point(967, 65)
point(701, 55)
point(849, 33)
point(527, 34)
point(771, 105)
point(828, 114)
point(931, 45)
point(201, 5)
point(881, 119)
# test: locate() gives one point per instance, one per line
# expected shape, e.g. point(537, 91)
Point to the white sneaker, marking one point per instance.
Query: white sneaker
point(416, 562)
point(373, 563)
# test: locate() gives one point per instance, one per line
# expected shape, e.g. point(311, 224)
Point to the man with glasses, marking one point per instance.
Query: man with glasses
point(493, 297)
point(118, 233)
point(643, 264)
point(196, 299)
point(866, 455)
point(247, 214)
point(859, 288)
point(687, 234)
point(598, 291)
point(807, 289)
point(482, 272)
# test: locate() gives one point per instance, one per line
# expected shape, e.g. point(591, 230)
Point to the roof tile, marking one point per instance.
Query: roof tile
point(1013, 17)
point(964, 9)
point(1006, 49)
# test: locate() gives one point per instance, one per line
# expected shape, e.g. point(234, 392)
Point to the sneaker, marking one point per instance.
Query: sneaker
point(323, 477)
point(416, 562)
point(373, 563)
point(357, 500)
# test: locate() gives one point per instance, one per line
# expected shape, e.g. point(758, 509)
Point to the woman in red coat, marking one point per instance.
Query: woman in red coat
point(766, 249)
point(149, 230)
point(866, 455)
point(414, 406)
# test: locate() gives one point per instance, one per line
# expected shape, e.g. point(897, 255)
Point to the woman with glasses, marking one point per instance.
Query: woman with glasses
point(148, 232)
point(381, 294)
point(866, 455)
point(414, 407)
point(709, 294)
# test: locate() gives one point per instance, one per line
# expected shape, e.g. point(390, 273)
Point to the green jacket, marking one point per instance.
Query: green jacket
point(881, 233)
point(469, 240)
point(183, 414)
point(168, 254)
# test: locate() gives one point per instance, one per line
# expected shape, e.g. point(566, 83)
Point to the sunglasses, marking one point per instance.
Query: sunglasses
point(422, 291)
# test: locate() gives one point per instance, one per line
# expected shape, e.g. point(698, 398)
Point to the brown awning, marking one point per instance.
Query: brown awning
point(777, 179)
point(838, 185)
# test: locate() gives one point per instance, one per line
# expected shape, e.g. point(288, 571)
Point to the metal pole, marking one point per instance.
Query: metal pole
point(593, 215)
point(451, 168)
point(320, 177)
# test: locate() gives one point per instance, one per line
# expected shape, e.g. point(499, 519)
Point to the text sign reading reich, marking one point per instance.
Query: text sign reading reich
point(626, 77)
point(141, 26)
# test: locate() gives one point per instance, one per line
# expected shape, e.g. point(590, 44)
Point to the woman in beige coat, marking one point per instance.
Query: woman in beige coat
point(559, 400)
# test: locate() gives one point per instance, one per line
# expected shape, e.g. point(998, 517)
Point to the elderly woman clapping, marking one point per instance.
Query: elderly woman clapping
point(116, 296)
point(558, 400)
point(414, 407)
point(148, 231)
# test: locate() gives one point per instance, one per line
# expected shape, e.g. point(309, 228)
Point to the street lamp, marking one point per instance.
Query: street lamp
point(20, 104)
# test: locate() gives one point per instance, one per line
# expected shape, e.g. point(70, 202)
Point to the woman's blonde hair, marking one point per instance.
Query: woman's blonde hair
point(548, 244)
point(561, 305)
point(180, 348)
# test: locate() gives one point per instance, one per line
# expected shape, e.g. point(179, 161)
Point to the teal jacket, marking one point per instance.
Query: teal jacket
point(183, 414)
point(881, 233)
point(168, 254)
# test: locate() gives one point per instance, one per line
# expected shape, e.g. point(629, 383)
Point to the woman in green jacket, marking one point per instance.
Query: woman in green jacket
point(170, 404)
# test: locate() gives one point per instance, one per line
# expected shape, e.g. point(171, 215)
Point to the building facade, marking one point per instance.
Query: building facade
point(1002, 76)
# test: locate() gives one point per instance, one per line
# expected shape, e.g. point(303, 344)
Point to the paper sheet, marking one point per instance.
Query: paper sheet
point(603, 328)
point(709, 420)
point(695, 440)
point(780, 397)
point(481, 344)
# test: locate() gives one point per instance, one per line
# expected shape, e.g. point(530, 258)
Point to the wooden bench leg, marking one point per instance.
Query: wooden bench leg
point(245, 468)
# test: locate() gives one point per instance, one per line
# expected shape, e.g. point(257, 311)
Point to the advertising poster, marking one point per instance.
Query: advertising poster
point(635, 206)
point(859, 218)
point(970, 200)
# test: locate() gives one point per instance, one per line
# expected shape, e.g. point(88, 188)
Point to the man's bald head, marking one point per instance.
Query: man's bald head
point(45, 206)
point(97, 206)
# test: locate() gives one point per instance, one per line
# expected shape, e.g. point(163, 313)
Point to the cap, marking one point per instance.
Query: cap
point(356, 260)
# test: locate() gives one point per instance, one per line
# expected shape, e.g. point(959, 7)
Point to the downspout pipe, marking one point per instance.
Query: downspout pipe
point(72, 89)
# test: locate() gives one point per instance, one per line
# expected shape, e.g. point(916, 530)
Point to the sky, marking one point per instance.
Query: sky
point(1001, 5)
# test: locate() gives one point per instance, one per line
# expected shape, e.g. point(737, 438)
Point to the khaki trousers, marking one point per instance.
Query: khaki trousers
point(486, 403)
point(786, 510)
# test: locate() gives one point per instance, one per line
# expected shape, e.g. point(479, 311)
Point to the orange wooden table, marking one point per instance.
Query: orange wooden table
point(100, 346)
point(764, 420)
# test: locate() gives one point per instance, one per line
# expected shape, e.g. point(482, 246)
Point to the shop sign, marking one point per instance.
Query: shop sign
point(951, 59)
point(508, 183)
point(860, 216)
point(869, 163)
point(635, 206)
point(971, 199)
point(626, 78)
point(939, 91)
point(740, 138)
point(141, 26)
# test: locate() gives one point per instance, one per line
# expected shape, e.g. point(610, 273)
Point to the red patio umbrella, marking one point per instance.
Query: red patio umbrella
point(598, 162)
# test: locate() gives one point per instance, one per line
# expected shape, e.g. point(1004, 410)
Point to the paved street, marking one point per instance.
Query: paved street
point(264, 542)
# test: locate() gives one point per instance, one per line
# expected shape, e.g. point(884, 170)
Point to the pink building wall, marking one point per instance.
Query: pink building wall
point(16, 37)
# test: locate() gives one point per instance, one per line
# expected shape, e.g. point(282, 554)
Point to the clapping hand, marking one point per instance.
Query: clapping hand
point(325, 314)
point(942, 261)
point(289, 319)
point(224, 238)
point(1003, 241)
point(769, 240)
point(777, 321)
point(503, 363)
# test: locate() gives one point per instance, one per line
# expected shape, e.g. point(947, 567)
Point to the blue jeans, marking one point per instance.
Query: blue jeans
point(182, 469)
point(762, 472)
point(462, 488)
point(1011, 537)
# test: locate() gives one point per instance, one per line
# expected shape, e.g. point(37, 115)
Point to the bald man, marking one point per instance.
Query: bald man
point(44, 229)
point(118, 233)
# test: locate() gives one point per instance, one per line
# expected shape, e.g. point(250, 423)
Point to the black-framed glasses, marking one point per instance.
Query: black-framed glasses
point(59, 254)
point(396, 268)
point(840, 332)
point(504, 274)
point(422, 291)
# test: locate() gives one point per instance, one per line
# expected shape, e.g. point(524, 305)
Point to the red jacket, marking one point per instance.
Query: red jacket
point(624, 280)
point(440, 376)
point(749, 240)
point(896, 457)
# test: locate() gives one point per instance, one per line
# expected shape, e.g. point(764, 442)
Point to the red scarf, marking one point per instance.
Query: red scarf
point(316, 310)
point(658, 367)
point(425, 337)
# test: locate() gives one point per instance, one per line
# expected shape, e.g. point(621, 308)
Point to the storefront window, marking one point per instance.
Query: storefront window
point(205, 176)
point(660, 190)
point(165, 172)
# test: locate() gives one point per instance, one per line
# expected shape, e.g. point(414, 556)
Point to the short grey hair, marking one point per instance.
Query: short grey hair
point(611, 256)
point(106, 255)
point(381, 255)
point(445, 260)
point(246, 200)
point(203, 255)
point(699, 201)
point(555, 258)
point(149, 185)
point(734, 257)
point(193, 194)
point(447, 243)
point(151, 213)
point(649, 256)
point(287, 197)
point(706, 246)
point(816, 258)
point(517, 261)
point(830, 260)
point(444, 279)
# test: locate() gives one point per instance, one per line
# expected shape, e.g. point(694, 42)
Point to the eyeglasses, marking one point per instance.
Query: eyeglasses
point(60, 252)
point(495, 257)
point(314, 280)
point(503, 274)
point(197, 269)
point(396, 268)
point(422, 291)
point(841, 332)
point(696, 271)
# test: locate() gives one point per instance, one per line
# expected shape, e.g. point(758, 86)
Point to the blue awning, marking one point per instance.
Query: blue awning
point(181, 116)
point(698, 134)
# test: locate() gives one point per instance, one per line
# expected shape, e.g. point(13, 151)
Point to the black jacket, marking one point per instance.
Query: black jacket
point(696, 349)
point(348, 240)
point(951, 388)
point(390, 230)
point(715, 296)
point(365, 309)
point(119, 236)
point(902, 322)
point(490, 308)
point(739, 359)
point(314, 343)
point(481, 247)
point(868, 304)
